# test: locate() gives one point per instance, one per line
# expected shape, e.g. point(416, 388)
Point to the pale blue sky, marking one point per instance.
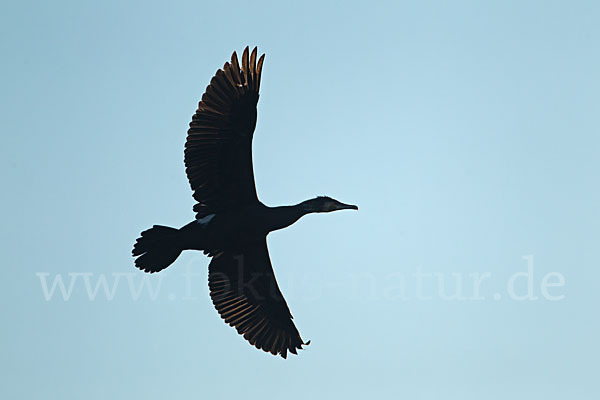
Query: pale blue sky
point(466, 131)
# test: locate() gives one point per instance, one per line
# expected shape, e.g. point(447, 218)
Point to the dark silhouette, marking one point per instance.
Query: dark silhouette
point(231, 224)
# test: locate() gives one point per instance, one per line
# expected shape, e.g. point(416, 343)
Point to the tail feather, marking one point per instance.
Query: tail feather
point(156, 248)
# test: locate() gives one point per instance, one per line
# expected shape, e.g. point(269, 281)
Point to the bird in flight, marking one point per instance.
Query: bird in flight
point(232, 224)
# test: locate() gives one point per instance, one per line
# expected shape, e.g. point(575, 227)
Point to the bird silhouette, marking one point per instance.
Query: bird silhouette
point(231, 223)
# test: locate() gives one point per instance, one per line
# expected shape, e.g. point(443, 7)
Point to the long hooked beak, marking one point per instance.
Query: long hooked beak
point(342, 206)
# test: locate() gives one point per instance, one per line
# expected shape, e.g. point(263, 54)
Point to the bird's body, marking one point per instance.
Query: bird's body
point(231, 224)
point(235, 228)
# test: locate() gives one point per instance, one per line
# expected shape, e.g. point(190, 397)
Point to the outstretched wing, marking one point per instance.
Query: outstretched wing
point(245, 293)
point(218, 149)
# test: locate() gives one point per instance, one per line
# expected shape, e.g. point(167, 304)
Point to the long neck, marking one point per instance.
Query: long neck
point(284, 216)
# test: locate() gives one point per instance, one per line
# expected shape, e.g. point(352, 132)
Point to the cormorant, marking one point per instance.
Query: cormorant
point(231, 224)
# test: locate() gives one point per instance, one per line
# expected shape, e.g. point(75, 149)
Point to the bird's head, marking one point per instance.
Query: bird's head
point(326, 204)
